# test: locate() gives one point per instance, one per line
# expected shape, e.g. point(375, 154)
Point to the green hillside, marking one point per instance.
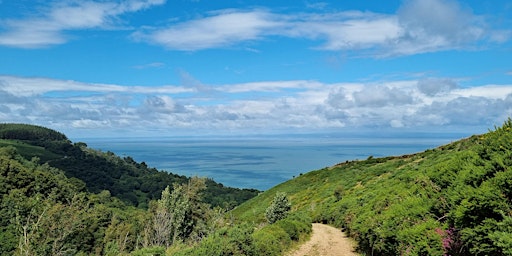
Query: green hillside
point(452, 200)
point(81, 209)
point(134, 183)
point(43, 212)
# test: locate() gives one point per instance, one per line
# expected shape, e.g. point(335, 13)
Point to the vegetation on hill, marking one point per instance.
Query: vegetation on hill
point(59, 198)
point(134, 183)
point(452, 200)
point(43, 212)
point(30, 133)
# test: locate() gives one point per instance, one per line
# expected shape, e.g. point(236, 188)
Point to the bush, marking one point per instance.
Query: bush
point(270, 240)
point(237, 240)
point(290, 227)
point(302, 221)
point(278, 209)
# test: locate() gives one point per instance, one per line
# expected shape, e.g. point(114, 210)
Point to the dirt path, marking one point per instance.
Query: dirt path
point(326, 241)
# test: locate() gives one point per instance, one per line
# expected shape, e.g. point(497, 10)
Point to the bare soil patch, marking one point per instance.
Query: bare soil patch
point(326, 241)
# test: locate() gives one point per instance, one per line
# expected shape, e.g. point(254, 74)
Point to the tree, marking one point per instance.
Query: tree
point(178, 213)
point(279, 208)
point(169, 218)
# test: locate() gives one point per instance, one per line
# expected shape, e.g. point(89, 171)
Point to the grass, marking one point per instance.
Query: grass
point(28, 151)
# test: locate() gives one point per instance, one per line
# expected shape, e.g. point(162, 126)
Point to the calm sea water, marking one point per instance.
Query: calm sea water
point(258, 162)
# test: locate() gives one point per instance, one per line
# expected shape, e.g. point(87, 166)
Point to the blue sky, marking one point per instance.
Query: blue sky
point(178, 67)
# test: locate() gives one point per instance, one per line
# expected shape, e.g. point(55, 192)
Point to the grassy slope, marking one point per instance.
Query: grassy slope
point(318, 187)
point(29, 151)
point(454, 197)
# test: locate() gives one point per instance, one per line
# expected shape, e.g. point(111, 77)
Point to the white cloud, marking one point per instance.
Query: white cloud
point(50, 28)
point(464, 111)
point(159, 105)
point(149, 65)
point(345, 30)
point(23, 86)
point(494, 92)
point(304, 105)
point(271, 86)
point(221, 29)
point(418, 26)
point(409, 106)
point(381, 97)
point(433, 86)
point(432, 25)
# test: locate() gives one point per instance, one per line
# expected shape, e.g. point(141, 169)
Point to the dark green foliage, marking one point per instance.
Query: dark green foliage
point(30, 151)
point(271, 240)
point(36, 136)
point(48, 211)
point(236, 240)
point(295, 225)
point(44, 213)
point(134, 183)
point(219, 195)
point(245, 239)
point(181, 215)
point(27, 132)
point(290, 228)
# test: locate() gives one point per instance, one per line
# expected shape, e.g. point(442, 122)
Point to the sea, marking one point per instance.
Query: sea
point(261, 162)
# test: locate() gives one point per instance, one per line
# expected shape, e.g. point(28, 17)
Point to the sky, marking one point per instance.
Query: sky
point(194, 67)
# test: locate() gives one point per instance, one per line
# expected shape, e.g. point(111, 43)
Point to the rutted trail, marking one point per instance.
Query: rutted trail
point(326, 241)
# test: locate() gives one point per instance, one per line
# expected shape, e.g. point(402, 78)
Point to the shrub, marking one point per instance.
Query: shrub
point(237, 240)
point(290, 227)
point(270, 240)
point(278, 209)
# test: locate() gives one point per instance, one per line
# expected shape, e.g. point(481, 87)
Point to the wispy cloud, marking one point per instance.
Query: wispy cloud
point(149, 65)
point(29, 87)
point(221, 29)
point(299, 104)
point(272, 86)
point(418, 26)
point(51, 26)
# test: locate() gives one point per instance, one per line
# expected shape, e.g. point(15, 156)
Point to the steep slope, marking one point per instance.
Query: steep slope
point(42, 212)
point(133, 182)
point(452, 200)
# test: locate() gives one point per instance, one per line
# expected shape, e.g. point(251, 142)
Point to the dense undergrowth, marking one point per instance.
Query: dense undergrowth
point(452, 200)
